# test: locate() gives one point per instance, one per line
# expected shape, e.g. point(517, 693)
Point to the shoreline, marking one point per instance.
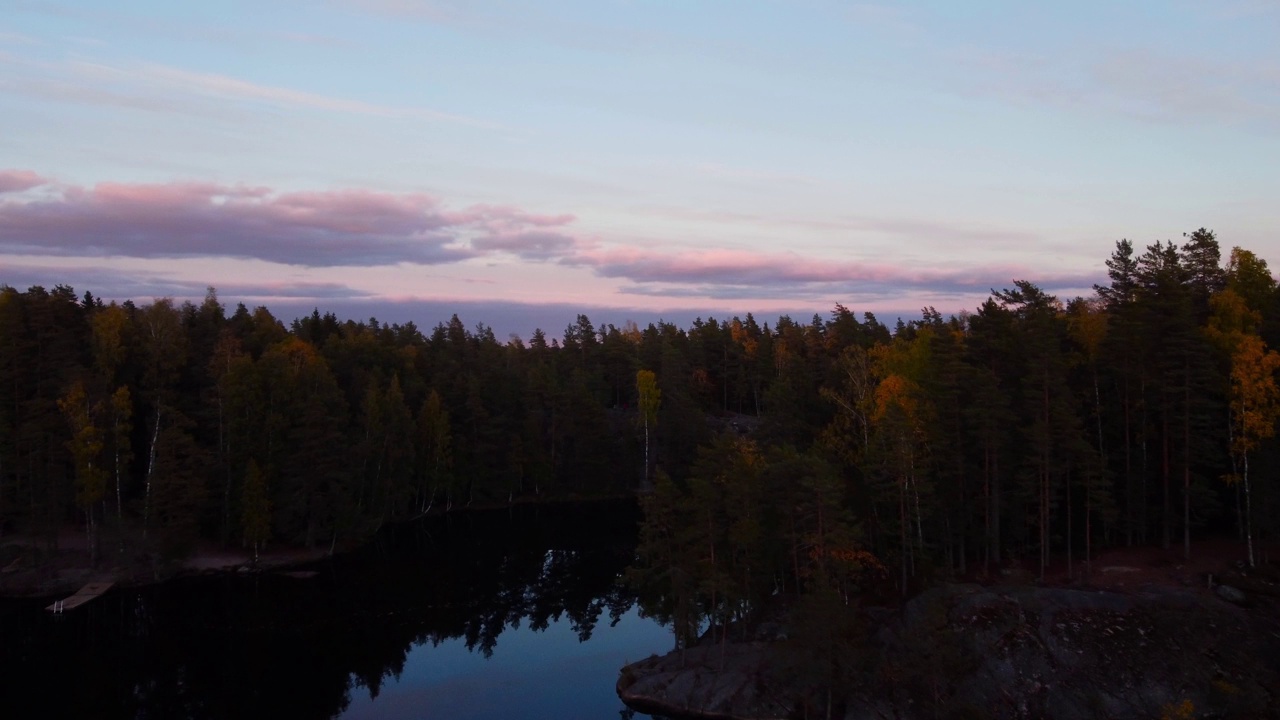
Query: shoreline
point(51, 576)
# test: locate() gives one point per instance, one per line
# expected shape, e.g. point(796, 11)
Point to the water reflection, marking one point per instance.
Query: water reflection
point(478, 615)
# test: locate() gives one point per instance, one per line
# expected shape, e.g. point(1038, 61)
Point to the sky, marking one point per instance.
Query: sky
point(519, 163)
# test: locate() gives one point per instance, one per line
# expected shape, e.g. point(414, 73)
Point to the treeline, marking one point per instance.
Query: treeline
point(1031, 429)
point(162, 424)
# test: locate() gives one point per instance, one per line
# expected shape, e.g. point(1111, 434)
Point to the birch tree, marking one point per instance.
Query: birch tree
point(1255, 406)
point(650, 398)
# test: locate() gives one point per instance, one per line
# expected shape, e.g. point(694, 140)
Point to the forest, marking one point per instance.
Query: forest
point(1033, 430)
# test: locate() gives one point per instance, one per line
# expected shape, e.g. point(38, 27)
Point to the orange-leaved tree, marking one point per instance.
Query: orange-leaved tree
point(898, 420)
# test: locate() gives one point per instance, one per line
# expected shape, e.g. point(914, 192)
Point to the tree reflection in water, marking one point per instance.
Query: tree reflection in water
point(270, 645)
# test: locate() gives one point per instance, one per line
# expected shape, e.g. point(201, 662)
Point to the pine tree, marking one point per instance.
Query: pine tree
point(1087, 323)
point(1052, 425)
point(435, 441)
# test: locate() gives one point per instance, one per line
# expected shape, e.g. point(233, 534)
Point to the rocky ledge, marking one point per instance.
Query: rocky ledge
point(968, 651)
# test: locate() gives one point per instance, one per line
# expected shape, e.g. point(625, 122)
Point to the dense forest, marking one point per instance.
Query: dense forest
point(1033, 430)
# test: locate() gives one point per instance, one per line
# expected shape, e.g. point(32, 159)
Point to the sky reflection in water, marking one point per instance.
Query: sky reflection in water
point(531, 674)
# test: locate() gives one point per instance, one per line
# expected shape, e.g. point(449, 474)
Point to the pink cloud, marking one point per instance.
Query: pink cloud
point(363, 228)
point(535, 245)
point(312, 228)
point(503, 218)
point(19, 180)
point(733, 266)
point(713, 272)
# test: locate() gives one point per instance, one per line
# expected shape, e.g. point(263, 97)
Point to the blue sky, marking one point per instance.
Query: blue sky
point(520, 162)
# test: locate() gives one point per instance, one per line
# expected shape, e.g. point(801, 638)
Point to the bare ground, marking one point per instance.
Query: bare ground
point(1124, 569)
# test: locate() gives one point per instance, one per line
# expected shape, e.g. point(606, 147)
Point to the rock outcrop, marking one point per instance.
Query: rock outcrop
point(708, 681)
point(977, 652)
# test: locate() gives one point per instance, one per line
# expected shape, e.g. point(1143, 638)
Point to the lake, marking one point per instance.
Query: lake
point(481, 614)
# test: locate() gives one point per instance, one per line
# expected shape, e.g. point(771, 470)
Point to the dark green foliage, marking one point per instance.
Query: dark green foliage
point(256, 509)
point(824, 649)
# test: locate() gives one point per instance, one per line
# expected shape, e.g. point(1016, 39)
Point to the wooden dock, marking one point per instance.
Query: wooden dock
point(82, 596)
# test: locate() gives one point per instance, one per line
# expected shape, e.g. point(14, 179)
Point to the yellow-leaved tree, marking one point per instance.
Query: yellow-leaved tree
point(1255, 405)
point(85, 446)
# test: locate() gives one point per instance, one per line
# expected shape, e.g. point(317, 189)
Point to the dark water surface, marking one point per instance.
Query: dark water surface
point(494, 614)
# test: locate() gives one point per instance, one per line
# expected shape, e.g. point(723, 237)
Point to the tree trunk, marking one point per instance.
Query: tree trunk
point(646, 450)
point(1044, 479)
point(119, 499)
point(986, 509)
point(1248, 512)
point(1070, 576)
point(88, 535)
point(1166, 514)
point(1102, 469)
point(1088, 535)
point(711, 537)
point(795, 551)
point(151, 467)
point(995, 509)
point(902, 530)
point(915, 491)
point(1146, 471)
point(224, 447)
point(1128, 471)
point(1186, 472)
point(1235, 473)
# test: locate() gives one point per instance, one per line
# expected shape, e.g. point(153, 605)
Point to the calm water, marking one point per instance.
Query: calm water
point(503, 614)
